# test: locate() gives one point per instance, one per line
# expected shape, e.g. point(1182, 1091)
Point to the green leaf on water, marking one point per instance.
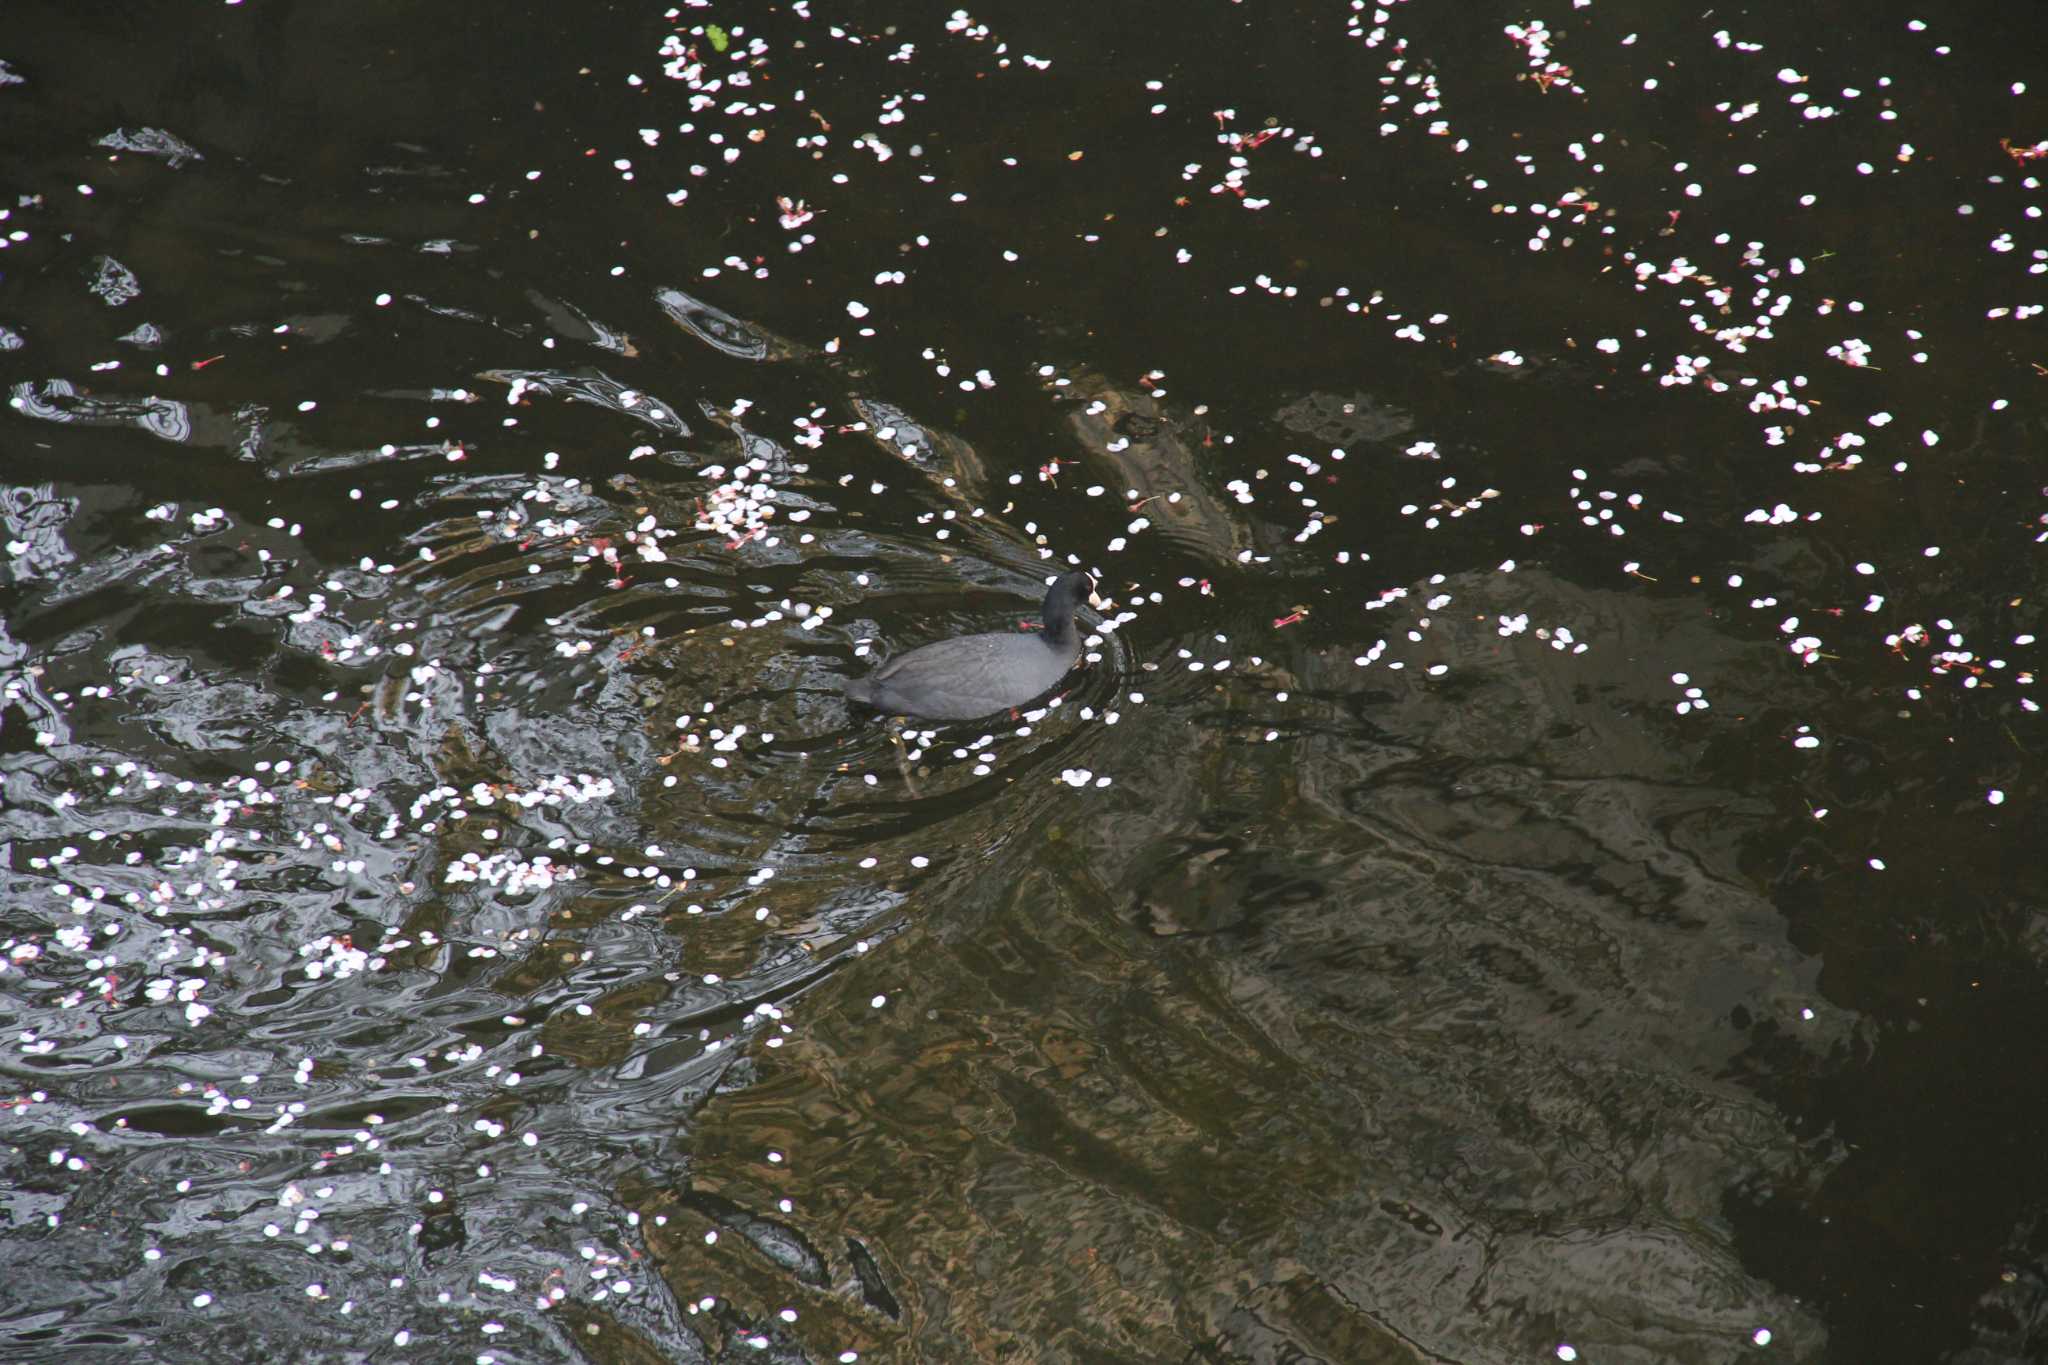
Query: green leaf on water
point(717, 35)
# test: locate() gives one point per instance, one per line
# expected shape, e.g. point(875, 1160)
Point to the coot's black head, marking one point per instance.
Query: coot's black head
point(1062, 600)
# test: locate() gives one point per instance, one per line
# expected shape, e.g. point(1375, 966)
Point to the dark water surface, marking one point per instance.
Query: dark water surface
point(1535, 866)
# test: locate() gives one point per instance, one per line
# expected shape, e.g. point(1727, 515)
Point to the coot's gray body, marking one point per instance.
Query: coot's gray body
point(978, 675)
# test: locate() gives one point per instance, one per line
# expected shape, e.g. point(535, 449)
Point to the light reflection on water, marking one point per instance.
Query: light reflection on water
point(450, 898)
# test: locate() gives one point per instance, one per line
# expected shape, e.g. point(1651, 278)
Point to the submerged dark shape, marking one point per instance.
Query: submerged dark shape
point(1155, 453)
point(723, 331)
point(977, 675)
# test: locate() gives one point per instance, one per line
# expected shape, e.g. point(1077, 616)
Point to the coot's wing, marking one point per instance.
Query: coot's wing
point(959, 679)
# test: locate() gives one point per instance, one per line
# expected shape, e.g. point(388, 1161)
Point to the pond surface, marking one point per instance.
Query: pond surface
point(1532, 864)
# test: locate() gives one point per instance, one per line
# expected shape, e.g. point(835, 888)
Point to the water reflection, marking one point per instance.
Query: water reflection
point(1524, 871)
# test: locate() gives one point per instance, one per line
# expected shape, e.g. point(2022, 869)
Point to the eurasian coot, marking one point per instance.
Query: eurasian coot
point(977, 675)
